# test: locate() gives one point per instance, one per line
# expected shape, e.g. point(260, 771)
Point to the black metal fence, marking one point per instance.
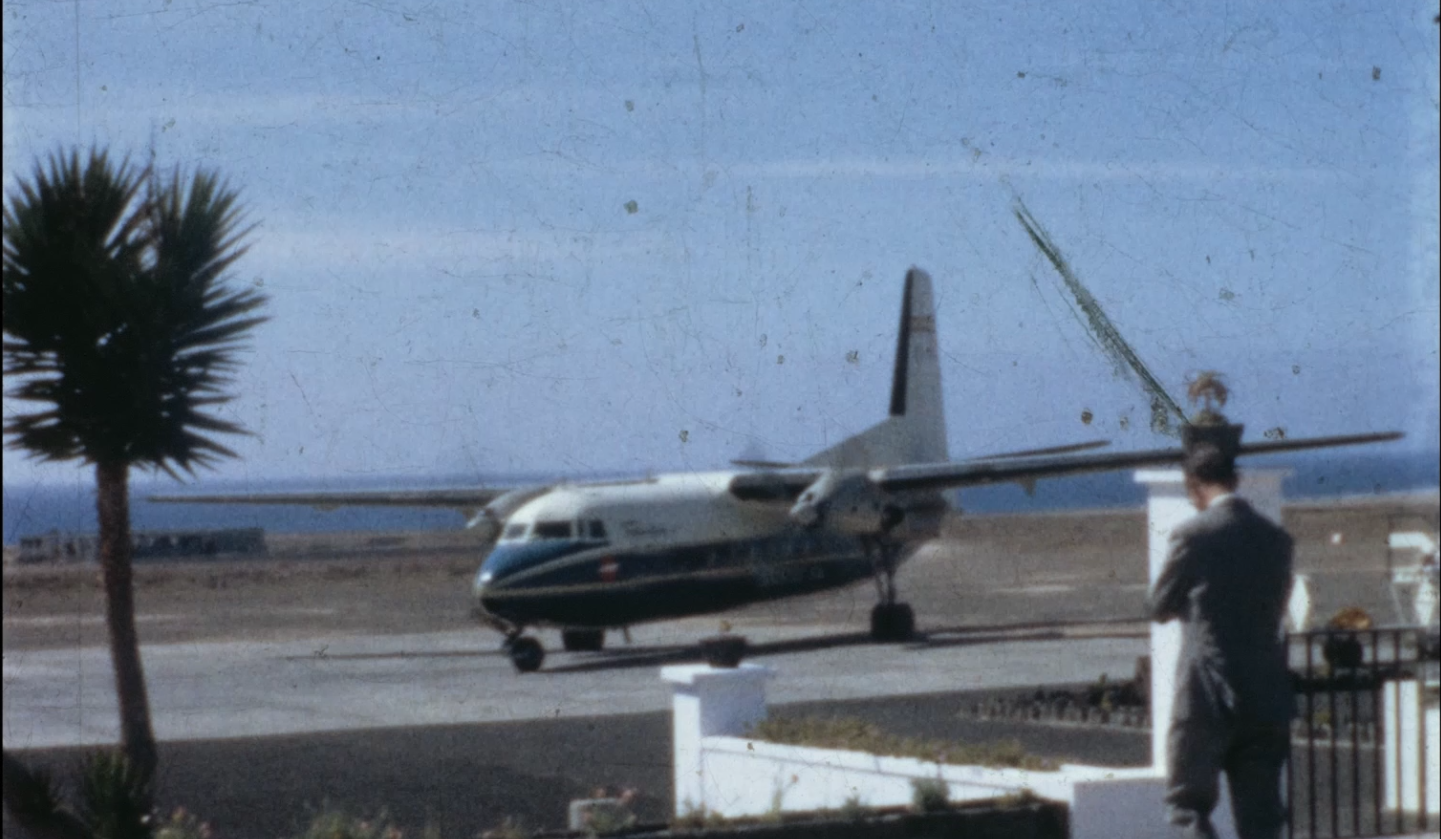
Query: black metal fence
point(1360, 748)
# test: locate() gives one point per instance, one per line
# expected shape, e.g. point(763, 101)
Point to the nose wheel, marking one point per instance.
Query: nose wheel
point(526, 653)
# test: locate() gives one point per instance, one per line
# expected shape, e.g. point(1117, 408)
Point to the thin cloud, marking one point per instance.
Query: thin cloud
point(456, 251)
point(989, 168)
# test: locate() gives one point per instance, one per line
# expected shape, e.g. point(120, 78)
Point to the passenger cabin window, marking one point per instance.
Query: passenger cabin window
point(552, 530)
point(514, 531)
point(597, 529)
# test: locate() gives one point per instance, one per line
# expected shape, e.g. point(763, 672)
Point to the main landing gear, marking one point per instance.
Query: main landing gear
point(525, 653)
point(890, 621)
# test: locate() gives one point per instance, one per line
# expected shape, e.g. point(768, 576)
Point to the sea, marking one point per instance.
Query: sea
point(38, 509)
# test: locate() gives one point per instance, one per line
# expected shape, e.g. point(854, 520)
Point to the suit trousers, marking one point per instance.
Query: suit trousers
point(1252, 755)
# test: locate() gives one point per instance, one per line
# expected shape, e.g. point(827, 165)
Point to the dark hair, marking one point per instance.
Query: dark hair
point(1206, 463)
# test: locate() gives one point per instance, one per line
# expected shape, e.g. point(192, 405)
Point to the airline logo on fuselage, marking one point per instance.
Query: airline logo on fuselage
point(638, 529)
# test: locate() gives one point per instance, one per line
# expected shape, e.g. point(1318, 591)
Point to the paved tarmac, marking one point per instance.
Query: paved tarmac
point(215, 690)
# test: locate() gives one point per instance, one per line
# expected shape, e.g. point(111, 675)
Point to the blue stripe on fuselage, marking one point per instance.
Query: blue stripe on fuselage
point(590, 584)
point(506, 560)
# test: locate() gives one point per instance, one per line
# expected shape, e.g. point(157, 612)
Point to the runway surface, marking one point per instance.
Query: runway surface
point(214, 690)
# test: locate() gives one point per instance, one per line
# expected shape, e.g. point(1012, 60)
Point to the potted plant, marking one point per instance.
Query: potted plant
point(725, 649)
point(1209, 425)
point(1342, 649)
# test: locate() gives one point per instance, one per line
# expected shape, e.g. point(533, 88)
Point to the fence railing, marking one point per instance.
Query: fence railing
point(1363, 755)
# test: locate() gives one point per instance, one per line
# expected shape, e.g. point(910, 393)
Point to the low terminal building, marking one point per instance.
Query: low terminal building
point(57, 546)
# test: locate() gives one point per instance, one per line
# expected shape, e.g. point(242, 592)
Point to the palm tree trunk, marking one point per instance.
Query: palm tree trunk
point(112, 482)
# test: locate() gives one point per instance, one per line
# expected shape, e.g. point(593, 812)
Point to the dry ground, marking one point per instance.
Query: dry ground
point(986, 570)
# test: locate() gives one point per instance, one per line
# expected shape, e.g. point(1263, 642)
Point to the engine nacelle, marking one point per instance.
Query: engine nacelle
point(849, 503)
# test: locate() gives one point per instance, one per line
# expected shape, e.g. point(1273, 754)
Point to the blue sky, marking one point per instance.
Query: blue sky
point(460, 284)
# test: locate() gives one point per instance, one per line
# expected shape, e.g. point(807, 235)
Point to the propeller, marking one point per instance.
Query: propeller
point(848, 502)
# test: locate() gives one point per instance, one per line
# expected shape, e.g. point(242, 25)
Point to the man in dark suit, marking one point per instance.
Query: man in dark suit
point(1227, 579)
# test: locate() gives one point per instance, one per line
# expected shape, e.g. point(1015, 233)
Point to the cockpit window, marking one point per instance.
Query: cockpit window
point(514, 531)
point(597, 529)
point(552, 530)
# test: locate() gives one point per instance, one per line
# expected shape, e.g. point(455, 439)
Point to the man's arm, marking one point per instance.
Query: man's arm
point(1173, 588)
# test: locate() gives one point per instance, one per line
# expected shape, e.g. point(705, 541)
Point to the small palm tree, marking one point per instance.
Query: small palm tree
point(119, 326)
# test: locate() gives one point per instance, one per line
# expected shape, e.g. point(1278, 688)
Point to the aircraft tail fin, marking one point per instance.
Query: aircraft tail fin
point(915, 431)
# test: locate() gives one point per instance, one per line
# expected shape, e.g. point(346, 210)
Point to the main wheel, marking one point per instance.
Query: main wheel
point(583, 640)
point(892, 622)
point(526, 654)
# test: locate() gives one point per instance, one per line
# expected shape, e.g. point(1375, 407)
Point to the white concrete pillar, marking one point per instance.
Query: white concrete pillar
point(706, 702)
point(1167, 507)
point(1408, 746)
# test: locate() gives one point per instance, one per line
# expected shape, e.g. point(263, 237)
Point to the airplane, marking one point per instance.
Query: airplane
point(597, 556)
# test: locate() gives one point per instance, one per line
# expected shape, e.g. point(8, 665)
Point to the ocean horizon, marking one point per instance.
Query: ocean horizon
point(31, 510)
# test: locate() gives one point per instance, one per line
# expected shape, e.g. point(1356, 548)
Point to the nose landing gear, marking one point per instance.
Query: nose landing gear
point(526, 653)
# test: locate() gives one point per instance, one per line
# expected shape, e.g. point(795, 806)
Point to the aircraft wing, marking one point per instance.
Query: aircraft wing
point(455, 499)
point(1026, 470)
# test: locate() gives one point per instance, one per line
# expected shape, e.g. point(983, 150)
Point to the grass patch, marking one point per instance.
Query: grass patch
point(860, 736)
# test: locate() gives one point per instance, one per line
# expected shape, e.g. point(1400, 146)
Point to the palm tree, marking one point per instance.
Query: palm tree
point(119, 326)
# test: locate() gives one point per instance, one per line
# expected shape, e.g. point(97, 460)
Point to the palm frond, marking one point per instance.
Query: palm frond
point(118, 313)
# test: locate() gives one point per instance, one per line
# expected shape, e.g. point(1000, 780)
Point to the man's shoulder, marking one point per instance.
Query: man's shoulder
point(1231, 513)
point(1209, 520)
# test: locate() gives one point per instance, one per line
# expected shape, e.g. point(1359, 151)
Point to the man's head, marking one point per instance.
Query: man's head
point(1209, 472)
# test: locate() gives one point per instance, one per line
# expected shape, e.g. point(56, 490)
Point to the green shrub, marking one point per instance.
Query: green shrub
point(930, 795)
point(860, 736)
point(609, 821)
point(31, 791)
point(182, 825)
point(114, 797)
point(335, 824)
point(853, 809)
point(696, 818)
point(510, 828)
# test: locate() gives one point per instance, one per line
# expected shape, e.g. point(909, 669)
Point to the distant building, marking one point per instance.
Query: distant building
point(56, 546)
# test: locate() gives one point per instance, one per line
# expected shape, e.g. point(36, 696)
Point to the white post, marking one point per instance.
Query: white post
point(706, 702)
point(1408, 745)
point(1167, 507)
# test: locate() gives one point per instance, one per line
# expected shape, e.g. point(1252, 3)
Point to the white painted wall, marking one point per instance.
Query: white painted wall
point(720, 771)
point(750, 778)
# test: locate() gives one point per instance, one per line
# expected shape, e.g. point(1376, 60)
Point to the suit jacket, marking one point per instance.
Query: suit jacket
point(1228, 579)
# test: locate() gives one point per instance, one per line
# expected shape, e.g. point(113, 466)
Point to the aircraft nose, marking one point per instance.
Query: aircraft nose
point(479, 589)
